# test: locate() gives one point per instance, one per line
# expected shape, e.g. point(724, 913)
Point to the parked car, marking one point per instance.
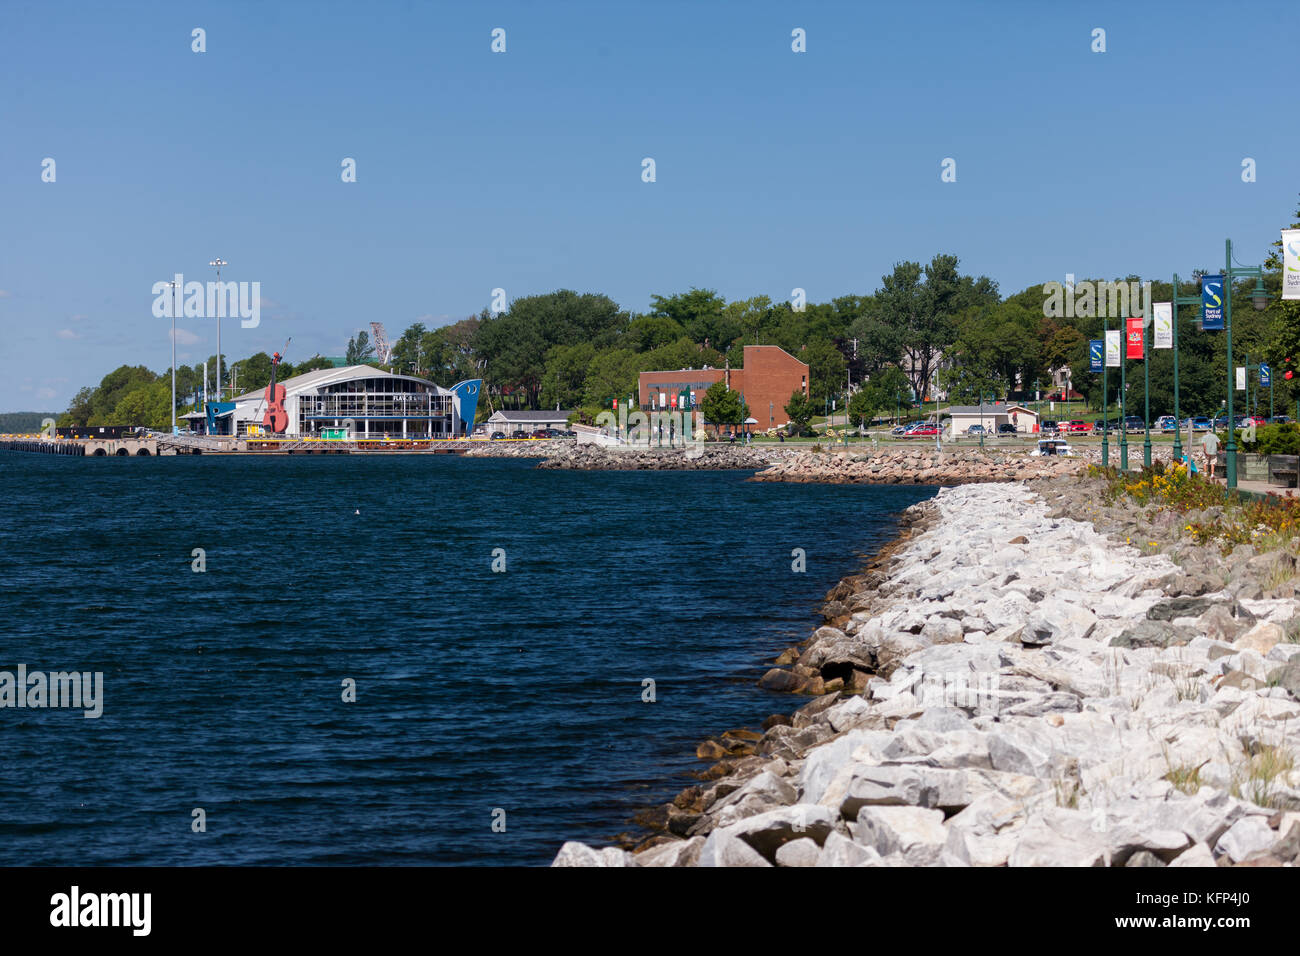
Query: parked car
point(898, 430)
point(976, 430)
point(1048, 426)
point(496, 435)
point(1076, 427)
point(519, 433)
point(1134, 423)
point(1199, 424)
point(922, 431)
point(1166, 423)
point(1255, 420)
point(1280, 420)
point(1006, 428)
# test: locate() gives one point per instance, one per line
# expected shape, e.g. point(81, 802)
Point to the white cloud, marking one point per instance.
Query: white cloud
point(4, 294)
point(68, 334)
point(186, 337)
point(45, 393)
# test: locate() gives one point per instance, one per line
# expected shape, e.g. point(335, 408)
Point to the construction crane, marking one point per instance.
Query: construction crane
point(383, 350)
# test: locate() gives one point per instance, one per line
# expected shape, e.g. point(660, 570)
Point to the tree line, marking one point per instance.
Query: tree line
point(926, 328)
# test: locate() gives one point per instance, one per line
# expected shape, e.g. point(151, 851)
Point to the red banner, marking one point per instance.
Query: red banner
point(1135, 344)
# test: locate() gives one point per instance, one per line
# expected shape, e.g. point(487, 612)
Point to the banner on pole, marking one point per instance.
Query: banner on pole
point(1291, 263)
point(1136, 348)
point(1095, 351)
point(1162, 320)
point(1112, 348)
point(1265, 375)
point(1241, 378)
point(1212, 302)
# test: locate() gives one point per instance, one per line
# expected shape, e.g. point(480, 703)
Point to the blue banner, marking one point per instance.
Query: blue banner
point(1095, 350)
point(1212, 302)
point(1265, 375)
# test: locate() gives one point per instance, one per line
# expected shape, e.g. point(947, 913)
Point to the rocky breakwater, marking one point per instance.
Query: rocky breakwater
point(1013, 687)
point(704, 457)
point(917, 466)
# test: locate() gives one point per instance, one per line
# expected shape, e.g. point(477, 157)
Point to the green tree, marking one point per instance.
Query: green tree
point(723, 406)
point(826, 370)
point(882, 391)
point(611, 374)
point(360, 350)
point(800, 409)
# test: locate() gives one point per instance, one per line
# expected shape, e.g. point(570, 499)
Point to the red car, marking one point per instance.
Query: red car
point(1076, 427)
point(922, 431)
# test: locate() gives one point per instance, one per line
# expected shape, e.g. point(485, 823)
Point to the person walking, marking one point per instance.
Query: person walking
point(1211, 445)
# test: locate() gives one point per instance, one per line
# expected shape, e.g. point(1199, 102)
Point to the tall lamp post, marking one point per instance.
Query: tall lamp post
point(1259, 299)
point(172, 283)
point(1123, 402)
point(1146, 370)
point(1105, 396)
point(1178, 422)
point(218, 263)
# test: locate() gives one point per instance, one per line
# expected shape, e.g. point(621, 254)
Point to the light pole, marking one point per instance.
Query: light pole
point(1259, 299)
point(1178, 422)
point(1105, 396)
point(1123, 402)
point(218, 262)
point(172, 283)
point(1146, 371)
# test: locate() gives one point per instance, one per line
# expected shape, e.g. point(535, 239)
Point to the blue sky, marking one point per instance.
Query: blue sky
point(522, 170)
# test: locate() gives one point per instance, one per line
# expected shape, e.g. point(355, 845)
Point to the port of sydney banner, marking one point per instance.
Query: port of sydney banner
point(1291, 263)
point(1112, 348)
point(1211, 302)
point(1095, 347)
point(1162, 321)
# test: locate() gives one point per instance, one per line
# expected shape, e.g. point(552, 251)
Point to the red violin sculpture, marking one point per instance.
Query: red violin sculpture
point(276, 418)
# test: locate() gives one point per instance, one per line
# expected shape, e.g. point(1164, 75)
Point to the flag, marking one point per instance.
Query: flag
point(1162, 325)
point(1136, 348)
point(1265, 375)
point(1241, 378)
point(1112, 348)
point(1212, 302)
point(1095, 351)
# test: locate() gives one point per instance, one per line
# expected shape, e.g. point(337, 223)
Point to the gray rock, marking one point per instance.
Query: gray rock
point(1145, 858)
point(1019, 748)
point(1197, 855)
point(801, 852)
point(1247, 836)
point(724, 848)
point(1152, 634)
point(767, 832)
point(916, 833)
point(841, 851)
point(677, 853)
point(579, 854)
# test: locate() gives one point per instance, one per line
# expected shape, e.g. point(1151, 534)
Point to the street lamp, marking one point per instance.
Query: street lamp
point(172, 283)
point(218, 263)
point(1259, 299)
point(1178, 422)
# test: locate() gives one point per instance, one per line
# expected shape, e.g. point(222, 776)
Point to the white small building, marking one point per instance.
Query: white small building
point(1024, 419)
point(508, 422)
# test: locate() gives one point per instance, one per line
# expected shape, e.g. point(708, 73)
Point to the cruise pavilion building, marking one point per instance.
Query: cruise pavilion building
point(359, 401)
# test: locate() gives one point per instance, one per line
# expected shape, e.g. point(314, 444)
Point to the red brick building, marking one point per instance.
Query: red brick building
point(769, 377)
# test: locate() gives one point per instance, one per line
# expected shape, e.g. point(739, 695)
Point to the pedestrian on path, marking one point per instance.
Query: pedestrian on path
point(1211, 445)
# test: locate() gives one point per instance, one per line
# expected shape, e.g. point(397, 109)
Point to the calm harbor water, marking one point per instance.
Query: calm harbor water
point(475, 690)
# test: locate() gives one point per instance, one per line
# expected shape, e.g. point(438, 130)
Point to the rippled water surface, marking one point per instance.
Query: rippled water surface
point(475, 690)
